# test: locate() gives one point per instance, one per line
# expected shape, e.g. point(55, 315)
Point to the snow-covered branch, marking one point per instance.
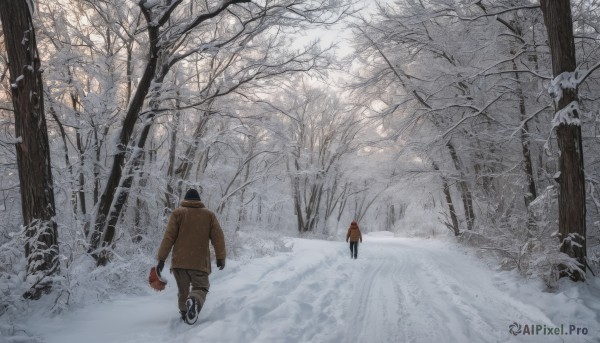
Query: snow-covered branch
point(479, 112)
point(526, 120)
point(497, 13)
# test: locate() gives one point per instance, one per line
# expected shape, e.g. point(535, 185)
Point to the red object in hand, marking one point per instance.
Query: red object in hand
point(156, 281)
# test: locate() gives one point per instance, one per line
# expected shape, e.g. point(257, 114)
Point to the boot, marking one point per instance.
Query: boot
point(192, 311)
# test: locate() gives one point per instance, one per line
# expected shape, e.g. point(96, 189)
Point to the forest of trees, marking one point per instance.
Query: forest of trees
point(480, 117)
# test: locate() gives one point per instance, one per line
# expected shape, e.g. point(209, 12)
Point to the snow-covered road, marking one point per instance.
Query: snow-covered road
point(399, 290)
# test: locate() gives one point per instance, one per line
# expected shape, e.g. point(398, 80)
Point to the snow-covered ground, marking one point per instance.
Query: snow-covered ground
point(399, 290)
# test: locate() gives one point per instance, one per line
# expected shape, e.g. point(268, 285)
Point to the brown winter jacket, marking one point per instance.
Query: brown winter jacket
point(189, 229)
point(354, 233)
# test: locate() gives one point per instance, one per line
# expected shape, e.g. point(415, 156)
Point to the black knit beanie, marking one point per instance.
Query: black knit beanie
point(192, 194)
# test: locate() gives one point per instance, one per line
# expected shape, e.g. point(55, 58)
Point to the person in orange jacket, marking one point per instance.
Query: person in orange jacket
point(354, 236)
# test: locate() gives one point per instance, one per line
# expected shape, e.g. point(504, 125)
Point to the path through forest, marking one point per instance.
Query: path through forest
point(399, 290)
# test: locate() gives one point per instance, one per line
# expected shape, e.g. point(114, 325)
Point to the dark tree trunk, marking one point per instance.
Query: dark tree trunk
point(467, 198)
point(453, 225)
point(531, 192)
point(571, 194)
point(33, 151)
point(170, 198)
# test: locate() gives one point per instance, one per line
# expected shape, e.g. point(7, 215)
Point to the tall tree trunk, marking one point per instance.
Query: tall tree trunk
point(80, 188)
point(295, 185)
point(63, 135)
point(446, 190)
point(141, 207)
point(525, 145)
point(531, 192)
point(33, 151)
point(571, 193)
point(81, 185)
point(170, 198)
point(467, 198)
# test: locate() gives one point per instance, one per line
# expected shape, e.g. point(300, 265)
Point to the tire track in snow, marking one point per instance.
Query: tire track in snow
point(468, 306)
point(412, 293)
point(377, 302)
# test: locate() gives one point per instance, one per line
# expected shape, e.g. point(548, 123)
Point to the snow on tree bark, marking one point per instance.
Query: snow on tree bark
point(572, 209)
point(33, 151)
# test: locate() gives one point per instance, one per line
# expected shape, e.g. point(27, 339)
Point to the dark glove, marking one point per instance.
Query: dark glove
point(160, 266)
point(220, 264)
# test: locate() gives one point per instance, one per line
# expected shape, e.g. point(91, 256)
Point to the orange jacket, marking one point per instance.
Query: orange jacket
point(188, 233)
point(354, 233)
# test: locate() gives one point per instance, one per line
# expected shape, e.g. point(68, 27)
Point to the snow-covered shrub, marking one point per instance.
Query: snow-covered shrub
point(248, 245)
point(12, 269)
point(528, 243)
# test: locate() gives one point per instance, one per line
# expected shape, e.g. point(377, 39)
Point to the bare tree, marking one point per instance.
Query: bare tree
point(174, 36)
point(33, 151)
point(117, 187)
point(321, 131)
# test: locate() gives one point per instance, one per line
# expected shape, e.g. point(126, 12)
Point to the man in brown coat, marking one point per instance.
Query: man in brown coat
point(354, 236)
point(188, 233)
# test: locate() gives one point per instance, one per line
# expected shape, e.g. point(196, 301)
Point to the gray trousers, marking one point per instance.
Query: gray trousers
point(197, 280)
